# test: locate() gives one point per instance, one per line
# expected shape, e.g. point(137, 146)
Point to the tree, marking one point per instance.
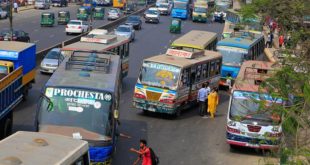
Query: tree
point(292, 81)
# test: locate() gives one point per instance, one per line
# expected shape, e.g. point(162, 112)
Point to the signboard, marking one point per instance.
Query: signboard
point(98, 39)
point(232, 49)
point(8, 54)
point(182, 53)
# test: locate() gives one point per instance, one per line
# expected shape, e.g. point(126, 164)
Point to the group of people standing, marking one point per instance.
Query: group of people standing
point(208, 100)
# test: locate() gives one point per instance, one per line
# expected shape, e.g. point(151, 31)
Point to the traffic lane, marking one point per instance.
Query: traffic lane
point(186, 140)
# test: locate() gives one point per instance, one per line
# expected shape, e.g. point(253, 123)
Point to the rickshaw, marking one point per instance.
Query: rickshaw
point(99, 13)
point(47, 19)
point(63, 17)
point(82, 13)
point(175, 26)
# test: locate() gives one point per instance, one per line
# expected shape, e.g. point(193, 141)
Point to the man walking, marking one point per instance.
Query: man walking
point(144, 153)
point(201, 99)
point(15, 5)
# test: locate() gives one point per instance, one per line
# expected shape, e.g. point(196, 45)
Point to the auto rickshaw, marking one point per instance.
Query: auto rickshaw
point(175, 26)
point(82, 14)
point(63, 17)
point(99, 13)
point(47, 19)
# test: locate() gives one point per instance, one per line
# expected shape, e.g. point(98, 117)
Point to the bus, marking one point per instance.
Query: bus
point(119, 3)
point(180, 9)
point(101, 43)
point(241, 46)
point(42, 148)
point(196, 40)
point(169, 83)
point(248, 122)
point(81, 100)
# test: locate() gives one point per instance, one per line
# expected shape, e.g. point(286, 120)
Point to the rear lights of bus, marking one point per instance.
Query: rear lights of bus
point(139, 96)
point(232, 130)
point(167, 101)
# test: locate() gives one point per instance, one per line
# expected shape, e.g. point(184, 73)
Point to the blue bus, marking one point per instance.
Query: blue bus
point(239, 47)
point(81, 100)
point(180, 9)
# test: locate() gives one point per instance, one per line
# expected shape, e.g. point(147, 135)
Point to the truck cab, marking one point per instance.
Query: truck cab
point(6, 67)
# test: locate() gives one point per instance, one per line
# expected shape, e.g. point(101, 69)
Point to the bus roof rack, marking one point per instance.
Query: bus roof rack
point(88, 62)
point(257, 72)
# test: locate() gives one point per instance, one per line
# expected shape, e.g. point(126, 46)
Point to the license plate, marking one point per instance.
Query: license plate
point(253, 134)
point(6, 39)
point(151, 108)
point(50, 71)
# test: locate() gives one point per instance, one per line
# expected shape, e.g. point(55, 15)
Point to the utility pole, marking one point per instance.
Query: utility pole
point(10, 11)
point(91, 15)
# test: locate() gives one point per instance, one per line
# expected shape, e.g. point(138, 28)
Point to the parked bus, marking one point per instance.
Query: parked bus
point(42, 148)
point(169, 83)
point(102, 43)
point(196, 40)
point(81, 100)
point(248, 122)
point(119, 3)
point(241, 46)
point(180, 9)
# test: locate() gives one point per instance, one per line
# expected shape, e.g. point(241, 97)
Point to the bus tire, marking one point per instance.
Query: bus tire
point(178, 113)
point(145, 112)
point(7, 127)
point(233, 147)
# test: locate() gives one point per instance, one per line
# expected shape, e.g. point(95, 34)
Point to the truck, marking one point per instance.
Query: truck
point(60, 3)
point(17, 73)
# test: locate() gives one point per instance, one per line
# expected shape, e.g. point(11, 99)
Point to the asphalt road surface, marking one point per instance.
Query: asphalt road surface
point(188, 140)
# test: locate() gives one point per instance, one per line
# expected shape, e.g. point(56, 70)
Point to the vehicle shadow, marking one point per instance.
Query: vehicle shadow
point(138, 130)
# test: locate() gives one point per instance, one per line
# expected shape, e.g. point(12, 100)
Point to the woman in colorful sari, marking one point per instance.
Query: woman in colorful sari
point(213, 100)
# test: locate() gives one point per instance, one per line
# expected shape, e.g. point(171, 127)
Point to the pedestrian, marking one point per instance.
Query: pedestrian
point(281, 40)
point(201, 99)
point(144, 153)
point(15, 7)
point(228, 81)
point(222, 17)
point(268, 40)
point(213, 101)
point(271, 40)
point(270, 25)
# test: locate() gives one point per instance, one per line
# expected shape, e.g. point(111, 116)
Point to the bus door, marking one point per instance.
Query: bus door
point(192, 88)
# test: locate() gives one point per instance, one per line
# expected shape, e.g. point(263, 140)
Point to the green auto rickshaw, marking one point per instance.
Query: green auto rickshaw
point(175, 26)
point(82, 14)
point(63, 17)
point(47, 19)
point(99, 13)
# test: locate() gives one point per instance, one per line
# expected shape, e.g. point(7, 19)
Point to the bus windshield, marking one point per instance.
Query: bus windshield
point(159, 75)
point(78, 108)
point(180, 5)
point(233, 56)
point(247, 107)
point(200, 10)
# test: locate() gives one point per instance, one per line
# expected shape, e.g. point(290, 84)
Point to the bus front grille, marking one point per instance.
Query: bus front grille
point(152, 96)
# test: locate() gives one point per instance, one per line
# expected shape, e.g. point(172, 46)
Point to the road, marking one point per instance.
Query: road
point(188, 140)
point(44, 37)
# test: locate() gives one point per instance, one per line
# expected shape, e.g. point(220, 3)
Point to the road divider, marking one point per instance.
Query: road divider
point(109, 26)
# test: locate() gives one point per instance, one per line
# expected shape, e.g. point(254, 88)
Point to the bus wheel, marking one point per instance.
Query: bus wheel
point(177, 113)
point(145, 112)
point(7, 127)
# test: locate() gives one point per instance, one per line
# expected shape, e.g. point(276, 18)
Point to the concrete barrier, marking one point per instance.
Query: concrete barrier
point(108, 26)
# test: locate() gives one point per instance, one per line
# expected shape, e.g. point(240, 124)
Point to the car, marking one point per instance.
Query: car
point(114, 13)
point(76, 26)
point(135, 21)
point(126, 30)
point(3, 14)
point(152, 15)
point(164, 8)
point(18, 35)
point(51, 61)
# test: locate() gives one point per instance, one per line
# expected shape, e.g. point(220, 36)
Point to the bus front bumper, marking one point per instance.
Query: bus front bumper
point(154, 106)
point(244, 141)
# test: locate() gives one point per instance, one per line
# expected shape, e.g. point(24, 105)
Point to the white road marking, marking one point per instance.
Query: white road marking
point(36, 41)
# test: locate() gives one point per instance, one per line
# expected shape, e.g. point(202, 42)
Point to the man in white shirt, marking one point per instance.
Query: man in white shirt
point(201, 99)
point(15, 6)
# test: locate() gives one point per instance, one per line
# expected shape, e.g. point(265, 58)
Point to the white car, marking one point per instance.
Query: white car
point(114, 13)
point(164, 8)
point(126, 31)
point(3, 14)
point(152, 15)
point(76, 26)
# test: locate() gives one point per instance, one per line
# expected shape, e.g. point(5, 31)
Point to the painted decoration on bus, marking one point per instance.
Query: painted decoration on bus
point(160, 75)
point(233, 49)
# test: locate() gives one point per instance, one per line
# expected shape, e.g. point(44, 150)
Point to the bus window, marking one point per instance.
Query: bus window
point(205, 73)
point(185, 77)
point(121, 51)
point(198, 73)
point(215, 68)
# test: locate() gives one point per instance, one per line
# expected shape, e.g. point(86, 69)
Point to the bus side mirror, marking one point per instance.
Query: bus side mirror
point(50, 104)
